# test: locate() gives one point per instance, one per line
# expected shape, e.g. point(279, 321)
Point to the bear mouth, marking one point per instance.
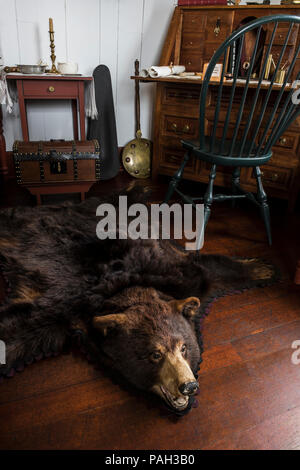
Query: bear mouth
point(178, 403)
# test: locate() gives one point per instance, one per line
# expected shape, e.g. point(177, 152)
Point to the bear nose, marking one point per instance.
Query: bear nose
point(188, 388)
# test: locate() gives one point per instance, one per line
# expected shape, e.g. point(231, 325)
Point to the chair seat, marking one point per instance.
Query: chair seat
point(213, 156)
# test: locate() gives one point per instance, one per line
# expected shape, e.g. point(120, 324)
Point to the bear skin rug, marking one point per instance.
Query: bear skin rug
point(135, 306)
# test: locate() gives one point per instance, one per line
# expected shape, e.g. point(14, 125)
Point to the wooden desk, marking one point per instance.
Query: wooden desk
point(191, 41)
point(51, 87)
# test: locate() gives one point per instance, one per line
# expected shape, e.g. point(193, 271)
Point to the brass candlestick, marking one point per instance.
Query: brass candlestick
point(52, 47)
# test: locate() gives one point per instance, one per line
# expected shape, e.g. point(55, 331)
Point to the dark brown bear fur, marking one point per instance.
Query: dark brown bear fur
point(61, 276)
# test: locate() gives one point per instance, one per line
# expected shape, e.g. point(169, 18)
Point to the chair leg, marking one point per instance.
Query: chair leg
point(264, 207)
point(176, 178)
point(208, 197)
point(235, 183)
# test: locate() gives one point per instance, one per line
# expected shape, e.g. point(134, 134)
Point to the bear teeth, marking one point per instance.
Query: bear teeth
point(181, 401)
point(175, 402)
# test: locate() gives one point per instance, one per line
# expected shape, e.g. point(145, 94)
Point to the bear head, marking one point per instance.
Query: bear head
point(150, 340)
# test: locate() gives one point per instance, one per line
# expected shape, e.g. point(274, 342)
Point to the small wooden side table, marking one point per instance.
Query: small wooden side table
point(52, 87)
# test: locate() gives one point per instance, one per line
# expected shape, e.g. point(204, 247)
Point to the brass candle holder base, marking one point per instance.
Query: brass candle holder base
point(53, 70)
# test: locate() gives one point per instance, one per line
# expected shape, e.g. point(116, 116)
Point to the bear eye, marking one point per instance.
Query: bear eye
point(183, 349)
point(155, 356)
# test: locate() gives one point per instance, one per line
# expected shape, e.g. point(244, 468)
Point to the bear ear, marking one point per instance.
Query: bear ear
point(187, 307)
point(109, 322)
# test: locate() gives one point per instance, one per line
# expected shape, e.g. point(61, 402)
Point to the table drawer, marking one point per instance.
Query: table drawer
point(51, 88)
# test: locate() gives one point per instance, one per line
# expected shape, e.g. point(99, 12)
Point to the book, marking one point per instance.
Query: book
point(201, 2)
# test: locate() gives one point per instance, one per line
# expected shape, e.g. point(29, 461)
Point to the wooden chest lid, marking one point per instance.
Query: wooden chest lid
point(56, 149)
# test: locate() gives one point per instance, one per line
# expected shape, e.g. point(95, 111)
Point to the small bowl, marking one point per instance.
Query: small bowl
point(32, 68)
point(67, 68)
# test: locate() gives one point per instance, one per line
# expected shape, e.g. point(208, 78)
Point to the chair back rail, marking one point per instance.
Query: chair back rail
point(253, 131)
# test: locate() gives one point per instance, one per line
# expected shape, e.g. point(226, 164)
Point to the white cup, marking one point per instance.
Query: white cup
point(67, 67)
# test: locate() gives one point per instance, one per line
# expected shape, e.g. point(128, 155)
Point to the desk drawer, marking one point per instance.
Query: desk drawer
point(50, 88)
point(193, 61)
point(171, 157)
point(218, 26)
point(192, 41)
point(209, 50)
point(279, 178)
point(287, 141)
point(194, 21)
point(180, 126)
point(174, 95)
point(281, 34)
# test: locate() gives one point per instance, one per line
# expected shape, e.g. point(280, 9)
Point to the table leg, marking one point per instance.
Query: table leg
point(81, 110)
point(38, 199)
point(3, 160)
point(297, 274)
point(23, 114)
point(75, 119)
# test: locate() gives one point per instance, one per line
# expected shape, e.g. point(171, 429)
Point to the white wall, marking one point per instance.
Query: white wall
point(90, 32)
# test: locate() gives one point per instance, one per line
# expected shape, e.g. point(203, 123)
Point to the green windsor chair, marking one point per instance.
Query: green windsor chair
point(244, 138)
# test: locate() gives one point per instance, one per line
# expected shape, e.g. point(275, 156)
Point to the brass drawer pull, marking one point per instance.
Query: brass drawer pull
point(217, 27)
point(186, 128)
point(174, 125)
point(282, 140)
point(273, 176)
point(51, 89)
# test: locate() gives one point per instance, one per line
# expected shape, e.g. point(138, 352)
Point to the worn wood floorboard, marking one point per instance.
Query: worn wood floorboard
point(249, 389)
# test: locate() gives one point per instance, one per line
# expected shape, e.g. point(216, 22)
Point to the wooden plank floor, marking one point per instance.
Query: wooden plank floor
point(249, 389)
